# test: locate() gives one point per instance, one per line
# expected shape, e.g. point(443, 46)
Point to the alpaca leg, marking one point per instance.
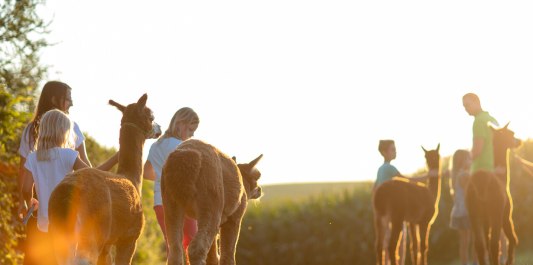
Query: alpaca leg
point(174, 220)
point(229, 235)
point(125, 250)
point(87, 251)
point(508, 229)
point(478, 235)
point(494, 248)
point(208, 225)
point(393, 242)
point(414, 243)
point(212, 256)
point(105, 257)
point(424, 240)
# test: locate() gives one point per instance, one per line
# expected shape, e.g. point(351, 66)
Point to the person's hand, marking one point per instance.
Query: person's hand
point(34, 202)
point(22, 210)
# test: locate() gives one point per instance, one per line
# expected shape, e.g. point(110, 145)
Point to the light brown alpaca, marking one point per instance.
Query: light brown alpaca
point(397, 201)
point(106, 205)
point(200, 181)
point(489, 202)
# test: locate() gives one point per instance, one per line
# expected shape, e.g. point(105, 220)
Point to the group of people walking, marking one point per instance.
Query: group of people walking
point(52, 146)
point(463, 164)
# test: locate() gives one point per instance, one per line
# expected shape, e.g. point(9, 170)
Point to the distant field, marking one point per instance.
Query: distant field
point(302, 191)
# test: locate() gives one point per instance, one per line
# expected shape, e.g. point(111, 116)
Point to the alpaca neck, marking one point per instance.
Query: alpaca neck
point(500, 157)
point(130, 154)
point(434, 186)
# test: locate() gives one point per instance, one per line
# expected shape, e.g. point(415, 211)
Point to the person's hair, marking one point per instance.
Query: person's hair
point(384, 145)
point(459, 160)
point(473, 97)
point(52, 89)
point(55, 131)
point(184, 114)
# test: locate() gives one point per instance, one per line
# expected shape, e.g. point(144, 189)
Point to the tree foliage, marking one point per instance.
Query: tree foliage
point(22, 37)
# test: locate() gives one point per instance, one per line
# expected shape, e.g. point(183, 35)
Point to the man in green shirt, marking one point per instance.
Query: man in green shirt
point(482, 147)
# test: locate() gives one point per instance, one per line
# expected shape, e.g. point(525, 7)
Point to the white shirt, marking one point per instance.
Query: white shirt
point(25, 147)
point(47, 175)
point(158, 154)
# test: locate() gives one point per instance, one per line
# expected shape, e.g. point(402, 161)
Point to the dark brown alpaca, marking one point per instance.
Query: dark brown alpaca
point(397, 201)
point(489, 202)
point(107, 206)
point(200, 181)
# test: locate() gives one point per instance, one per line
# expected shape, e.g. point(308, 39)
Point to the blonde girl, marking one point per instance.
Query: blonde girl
point(44, 169)
point(460, 172)
point(182, 127)
point(54, 157)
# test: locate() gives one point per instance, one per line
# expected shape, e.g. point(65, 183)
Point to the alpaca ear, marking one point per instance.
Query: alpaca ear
point(234, 159)
point(254, 162)
point(425, 151)
point(118, 105)
point(438, 147)
point(142, 100)
point(505, 127)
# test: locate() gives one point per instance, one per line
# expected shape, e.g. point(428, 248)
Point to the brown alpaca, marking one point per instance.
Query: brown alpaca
point(200, 181)
point(396, 201)
point(106, 206)
point(489, 202)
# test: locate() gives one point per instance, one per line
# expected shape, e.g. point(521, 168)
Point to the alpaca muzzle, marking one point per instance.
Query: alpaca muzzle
point(256, 193)
point(156, 131)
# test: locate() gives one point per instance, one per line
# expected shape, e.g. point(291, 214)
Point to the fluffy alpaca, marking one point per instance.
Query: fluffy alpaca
point(489, 202)
point(397, 201)
point(106, 206)
point(200, 181)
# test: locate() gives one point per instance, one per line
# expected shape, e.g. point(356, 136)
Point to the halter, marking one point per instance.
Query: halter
point(146, 133)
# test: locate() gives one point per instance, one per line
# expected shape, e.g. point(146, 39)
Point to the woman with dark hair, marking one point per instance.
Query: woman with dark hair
point(54, 95)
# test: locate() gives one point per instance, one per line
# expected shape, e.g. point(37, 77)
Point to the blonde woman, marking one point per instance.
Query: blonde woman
point(182, 127)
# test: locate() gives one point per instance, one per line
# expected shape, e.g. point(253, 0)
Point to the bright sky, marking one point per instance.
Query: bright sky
point(313, 85)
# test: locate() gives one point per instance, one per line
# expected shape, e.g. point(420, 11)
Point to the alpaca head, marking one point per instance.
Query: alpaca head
point(250, 176)
point(139, 116)
point(504, 138)
point(432, 158)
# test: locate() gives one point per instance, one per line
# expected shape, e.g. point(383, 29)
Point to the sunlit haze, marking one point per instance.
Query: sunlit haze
point(313, 85)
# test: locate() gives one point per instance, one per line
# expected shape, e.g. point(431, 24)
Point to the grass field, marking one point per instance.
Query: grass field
point(302, 191)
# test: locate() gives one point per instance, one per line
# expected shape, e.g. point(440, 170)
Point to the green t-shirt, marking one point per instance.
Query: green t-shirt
point(481, 130)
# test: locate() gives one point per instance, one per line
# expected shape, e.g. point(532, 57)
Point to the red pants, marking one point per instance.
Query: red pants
point(38, 247)
point(189, 227)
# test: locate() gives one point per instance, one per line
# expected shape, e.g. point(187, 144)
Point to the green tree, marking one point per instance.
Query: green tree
point(22, 37)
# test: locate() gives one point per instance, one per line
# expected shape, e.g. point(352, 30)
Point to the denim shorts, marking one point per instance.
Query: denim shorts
point(460, 222)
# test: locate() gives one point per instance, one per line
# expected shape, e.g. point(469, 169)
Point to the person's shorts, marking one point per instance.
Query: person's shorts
point(460, 222)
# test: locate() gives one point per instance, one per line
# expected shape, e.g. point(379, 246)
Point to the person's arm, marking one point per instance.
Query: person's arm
point(149, 172)
point(477, 146)
point(430, 174)
point(27, 191)
point(451, 183)
point(22, 171)
point(79, 164)
point(109, 163)
point(83, 154)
